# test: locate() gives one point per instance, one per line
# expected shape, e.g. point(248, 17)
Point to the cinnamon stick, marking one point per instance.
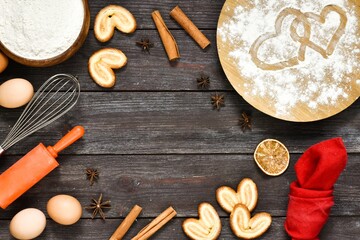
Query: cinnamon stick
point(167, 38)
point(126, 224)
point(181, 18)
point(156, 224)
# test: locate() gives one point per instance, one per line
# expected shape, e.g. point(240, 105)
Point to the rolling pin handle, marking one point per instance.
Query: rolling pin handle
point(75, 134)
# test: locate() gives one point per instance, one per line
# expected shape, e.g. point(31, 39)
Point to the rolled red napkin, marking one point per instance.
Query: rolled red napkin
point(311, 196)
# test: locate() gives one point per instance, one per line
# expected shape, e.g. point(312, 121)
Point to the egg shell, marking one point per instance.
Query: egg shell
point(15, 93)
point(3, 62)
point(64, 209)
point(28, 224)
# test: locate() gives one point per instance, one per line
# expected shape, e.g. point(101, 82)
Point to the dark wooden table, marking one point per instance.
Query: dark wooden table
point(157, 142)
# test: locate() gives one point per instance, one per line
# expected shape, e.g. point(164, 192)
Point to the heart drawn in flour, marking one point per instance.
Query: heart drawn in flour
point(246, 194)
point(248, 228)
point(321, 19)
point(304, 40)
point(207, 227)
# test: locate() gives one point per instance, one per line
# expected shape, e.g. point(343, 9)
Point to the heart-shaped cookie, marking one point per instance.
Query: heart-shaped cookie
point(102, 63)
point(110, 17)
point(207, 227)
point(248, 228)
point(246, 194)
point(321, 19)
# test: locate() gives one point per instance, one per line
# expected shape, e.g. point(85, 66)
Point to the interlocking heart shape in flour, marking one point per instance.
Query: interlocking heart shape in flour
point(304, 39)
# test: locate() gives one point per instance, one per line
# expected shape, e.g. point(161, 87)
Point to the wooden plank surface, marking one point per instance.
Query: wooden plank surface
point(182, 181)
point(203, 12)
point(143, 72)
point(86, 229)
point(180, 122)
point(157, 142)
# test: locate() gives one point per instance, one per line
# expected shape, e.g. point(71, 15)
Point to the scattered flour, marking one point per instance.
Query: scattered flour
point(40, 29)
point(303, 83)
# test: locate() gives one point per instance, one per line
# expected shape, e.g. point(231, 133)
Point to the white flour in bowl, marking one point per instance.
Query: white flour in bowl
point(303, 83)
point(40, 29)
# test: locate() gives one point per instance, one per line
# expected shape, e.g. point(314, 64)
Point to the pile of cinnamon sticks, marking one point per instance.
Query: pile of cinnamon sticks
point(148, 230)
point(168, 39)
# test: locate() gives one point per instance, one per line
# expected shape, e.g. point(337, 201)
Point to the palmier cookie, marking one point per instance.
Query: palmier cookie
point(110, 17)
point(207, 227)
point(102, 63)
point(248, 228)
point(246, 194)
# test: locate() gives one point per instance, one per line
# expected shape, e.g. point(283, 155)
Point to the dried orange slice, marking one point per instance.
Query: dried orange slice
point(272, 157)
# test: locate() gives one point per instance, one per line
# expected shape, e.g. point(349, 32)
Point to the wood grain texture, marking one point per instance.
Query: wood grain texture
point(337, 228)
point(143, 72)
point(204, 13)
point(157, 142)
point(179, 122)
point(301, 111)
point(155, 182)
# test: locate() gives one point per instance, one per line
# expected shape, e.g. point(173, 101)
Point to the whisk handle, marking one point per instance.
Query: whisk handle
point(1, 151)
point(75, 134)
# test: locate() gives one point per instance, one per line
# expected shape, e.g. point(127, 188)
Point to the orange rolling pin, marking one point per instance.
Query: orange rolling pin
point(34, 166)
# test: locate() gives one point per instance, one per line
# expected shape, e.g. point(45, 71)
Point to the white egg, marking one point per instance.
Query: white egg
point(15, 93)
point(28, 224)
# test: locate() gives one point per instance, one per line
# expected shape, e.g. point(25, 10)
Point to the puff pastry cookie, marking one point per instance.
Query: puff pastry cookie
point(207, 227)
point(102, 63)
point(248, 228)
point(112, 17)
point(246, 194)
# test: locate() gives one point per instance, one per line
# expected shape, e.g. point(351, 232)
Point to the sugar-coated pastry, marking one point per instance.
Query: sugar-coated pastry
point(207, 227)
point(102, 63)
point(112, 17)
point(246, 194)
point(248, 228)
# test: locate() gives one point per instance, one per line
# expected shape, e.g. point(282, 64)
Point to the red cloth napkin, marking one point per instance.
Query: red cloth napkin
point(311, 196)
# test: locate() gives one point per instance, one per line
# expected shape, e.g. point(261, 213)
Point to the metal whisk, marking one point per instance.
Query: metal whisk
point(53, 99)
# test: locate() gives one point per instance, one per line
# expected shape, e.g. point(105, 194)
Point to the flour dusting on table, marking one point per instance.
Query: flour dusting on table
point(40, 29)
point(302, 83)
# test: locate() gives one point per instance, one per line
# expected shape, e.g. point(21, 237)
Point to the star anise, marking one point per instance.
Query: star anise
point(145, 44)
point(92, 174)
point(217, 101)
point(97, 207)
point(203, 81)
point(245, 121)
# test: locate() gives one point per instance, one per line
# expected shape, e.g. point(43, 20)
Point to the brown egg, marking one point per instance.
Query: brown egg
point(64, 209)
point(15, 93)
point(3, 62)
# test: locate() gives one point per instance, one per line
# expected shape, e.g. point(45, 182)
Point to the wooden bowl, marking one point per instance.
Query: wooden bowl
point(63, 56)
